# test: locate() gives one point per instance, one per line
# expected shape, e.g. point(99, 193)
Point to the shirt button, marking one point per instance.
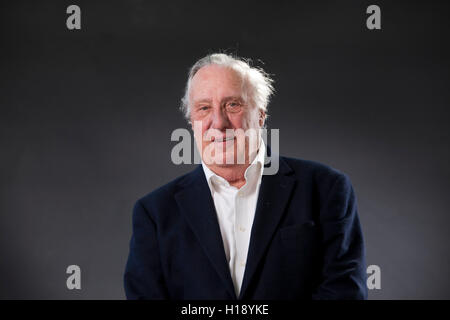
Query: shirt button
point(242, 229)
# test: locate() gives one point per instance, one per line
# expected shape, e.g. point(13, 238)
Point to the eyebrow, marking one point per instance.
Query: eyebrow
point(201, 101)
point(233, 98)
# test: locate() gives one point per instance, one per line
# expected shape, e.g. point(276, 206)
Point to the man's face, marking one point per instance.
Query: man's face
point(217, 104)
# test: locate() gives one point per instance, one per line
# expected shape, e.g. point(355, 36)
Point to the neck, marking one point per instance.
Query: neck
point(234, 174)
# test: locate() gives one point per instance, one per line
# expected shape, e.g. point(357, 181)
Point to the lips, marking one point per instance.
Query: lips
point(223, 139)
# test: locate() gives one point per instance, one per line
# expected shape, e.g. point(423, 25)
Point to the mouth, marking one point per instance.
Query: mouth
point(224, 139)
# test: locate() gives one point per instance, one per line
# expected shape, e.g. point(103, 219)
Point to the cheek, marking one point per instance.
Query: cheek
point(252, 119)
point(199, 136)
point(199, 127)
point(238, 120)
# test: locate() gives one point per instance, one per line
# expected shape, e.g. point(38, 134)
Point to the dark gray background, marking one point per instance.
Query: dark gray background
point(86, 118)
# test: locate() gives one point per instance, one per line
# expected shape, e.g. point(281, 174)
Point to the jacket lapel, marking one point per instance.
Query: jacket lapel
point(274, 195)
point(195, 202)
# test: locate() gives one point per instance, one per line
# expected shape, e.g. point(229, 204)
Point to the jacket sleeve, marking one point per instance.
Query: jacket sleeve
point(343, 275)
point(143, 278)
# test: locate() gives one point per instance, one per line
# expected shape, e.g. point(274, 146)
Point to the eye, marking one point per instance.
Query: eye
point(203, 108)
point(233, 106)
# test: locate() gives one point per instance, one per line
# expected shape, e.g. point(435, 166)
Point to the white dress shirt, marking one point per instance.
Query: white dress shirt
point(235, 210)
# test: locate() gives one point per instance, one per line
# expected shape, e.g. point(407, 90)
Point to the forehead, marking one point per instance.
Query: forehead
point(215, 81)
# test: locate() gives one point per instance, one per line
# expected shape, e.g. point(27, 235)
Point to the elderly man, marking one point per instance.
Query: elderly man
point(229, 231)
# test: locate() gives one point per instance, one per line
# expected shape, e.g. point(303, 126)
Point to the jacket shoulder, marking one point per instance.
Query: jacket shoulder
point(319, 169)
point(330, 189)
point(321, 175)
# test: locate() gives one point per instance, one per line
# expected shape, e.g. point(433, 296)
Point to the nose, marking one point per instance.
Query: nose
point(219, 119)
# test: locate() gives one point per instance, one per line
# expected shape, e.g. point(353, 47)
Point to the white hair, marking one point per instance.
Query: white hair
point(256, 82)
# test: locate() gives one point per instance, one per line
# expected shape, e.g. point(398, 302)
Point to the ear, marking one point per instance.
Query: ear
point(262, 118)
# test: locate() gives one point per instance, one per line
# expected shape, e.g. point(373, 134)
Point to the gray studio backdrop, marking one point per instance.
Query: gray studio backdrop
point(86, 118)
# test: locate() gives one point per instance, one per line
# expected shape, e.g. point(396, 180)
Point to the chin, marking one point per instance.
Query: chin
point(225, 159)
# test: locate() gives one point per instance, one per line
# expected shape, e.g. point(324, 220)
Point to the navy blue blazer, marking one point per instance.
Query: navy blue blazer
point(306, 240)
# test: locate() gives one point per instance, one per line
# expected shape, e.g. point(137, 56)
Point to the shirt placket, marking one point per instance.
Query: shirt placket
point(240, 229)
